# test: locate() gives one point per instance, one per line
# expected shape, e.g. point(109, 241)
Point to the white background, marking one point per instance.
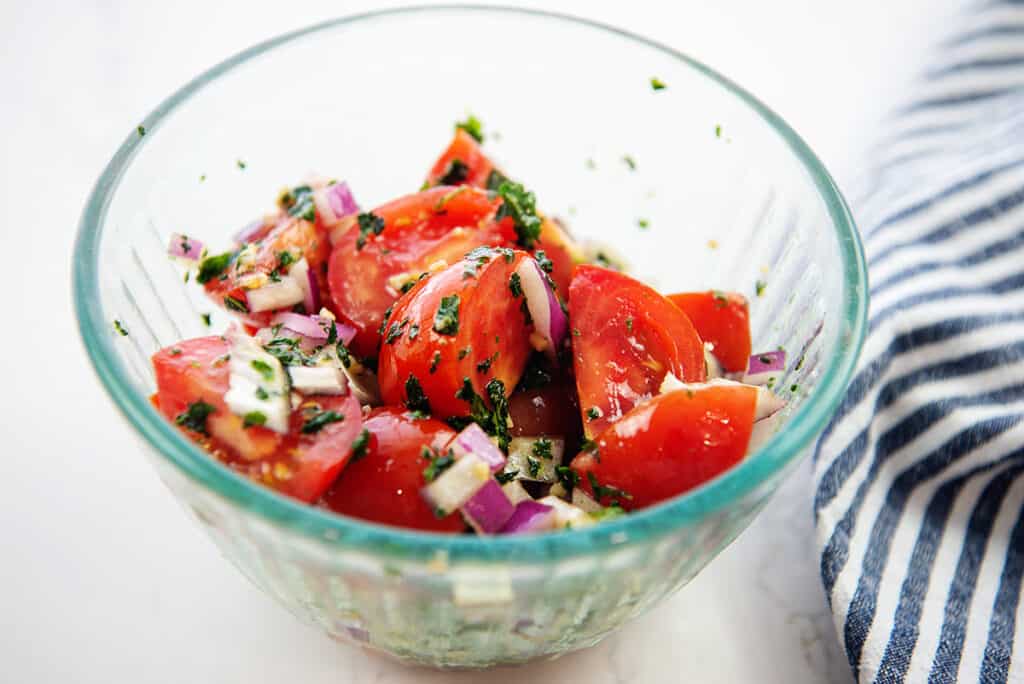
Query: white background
point(103, 579)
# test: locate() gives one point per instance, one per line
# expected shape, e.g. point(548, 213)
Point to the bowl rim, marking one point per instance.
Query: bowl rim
point(350, 533)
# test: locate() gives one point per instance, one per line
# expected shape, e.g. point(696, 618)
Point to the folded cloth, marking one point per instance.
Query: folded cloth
point(918, 503)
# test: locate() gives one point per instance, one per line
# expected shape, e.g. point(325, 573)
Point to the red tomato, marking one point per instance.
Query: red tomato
point(625, 338)
point(297, 464)
point(551, 410)
point(288, 234)
point(419, 230)
point(384, 485)
point(473, 166)
point(722, 319)
point(669, 445)
point(487, 339)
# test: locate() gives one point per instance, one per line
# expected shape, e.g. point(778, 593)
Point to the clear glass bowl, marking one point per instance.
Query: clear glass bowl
point(731, 195)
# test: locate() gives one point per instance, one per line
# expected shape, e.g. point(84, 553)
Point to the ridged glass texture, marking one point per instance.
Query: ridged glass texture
point(731, 197)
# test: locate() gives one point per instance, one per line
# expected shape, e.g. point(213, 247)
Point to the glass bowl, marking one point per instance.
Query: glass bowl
point(730, 196)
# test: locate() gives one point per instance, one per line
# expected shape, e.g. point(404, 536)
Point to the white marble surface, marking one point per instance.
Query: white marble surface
point(102, 579)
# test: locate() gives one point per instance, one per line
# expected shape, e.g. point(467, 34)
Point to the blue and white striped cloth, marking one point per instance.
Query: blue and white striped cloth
point(919, 492)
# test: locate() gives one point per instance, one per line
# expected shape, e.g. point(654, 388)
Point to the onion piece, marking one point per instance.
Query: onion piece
point(344, 225)
point(286, 292)
point(768, 404)
point(516, 492)
point(567, 515)
point(765, 366)
point(585, 502)
point(762, 432)
point(530, 516)
point(533, 467)
point(715, 369)
point(457, 485)
point(250, 231)
point(184, 247)
point(473, 440)
point(489, 509)
point(318, 379)
point(305, 278)
point(549, 321)
point(309, 326)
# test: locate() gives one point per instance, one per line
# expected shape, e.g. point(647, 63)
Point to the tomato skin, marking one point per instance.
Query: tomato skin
point(419, 230)
point(384, 485)
point(671, 444)
point(466, 149)
point(492, 336)
point(625, 338)
point(282, 234)
point(296, 464)
point(722, 319)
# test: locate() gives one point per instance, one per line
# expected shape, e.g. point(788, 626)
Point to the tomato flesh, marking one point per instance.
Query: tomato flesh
point(723, 320)
point(286, 234)
point(439, 224)
point(669, 445)
point(625, 339)
point(384, 485)
point(297, 464)
point(473, 166)
point(491, 341)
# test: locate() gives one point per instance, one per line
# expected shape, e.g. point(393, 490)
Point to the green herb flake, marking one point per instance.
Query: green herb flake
point(567, 476)
point(485, 365)
point(506, 477)
point(520, 205)
point(630, 162)
point(593, 413)
point(213, 266)
point(263, 368)
point(576, 332)
point(759, 287)
point(395, 331)
point(369, 224)
point(438, 463)
point(254, 418)
point(359, 446)
point(721, 299)
point(194, 417)
point(176, 351)
point(533, 466)
point(414, 331)
point(321, 420)
point(206, 319)
point(542, 448)
point(629, 323)
point(434, 361)
point(515, 285)
point(602, 491)
point(202, 178)
point(718, 131)
point(543, 261)
point(261, 394)
point(465, 351)
point(494, 180)
point(235, 304)
point(446, 320)
point(415, 398)
point(473, 126)
point(643, 223)
point(657, 84)
point(141, 130)
point(793, 388)
point(456, 172)
point(241, 164)
point(119, 327)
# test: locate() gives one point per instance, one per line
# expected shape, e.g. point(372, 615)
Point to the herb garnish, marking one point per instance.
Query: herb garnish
point(506, 477)
point(521, 206)
point(446, 320)
point(759, 287)
point(235, 304)
point(567, 476)
point(241, 164)
point(213, 266)
point(721, 299)
point(369, 224)
point(515, 285)
point(542, 448)
point(321, 420)
point(359, 446)
point(415, 398)
point(494, 420)
point(593, 413)
point(206, 319)
point(119, 327)
point(299, 202)
point(141, 130)
point(533, 465)
point(438, 463)
point(494, 180)
point(657, 83)
point(643, 223)
point(434, 361)
point(263, 368)
point(194, 417)
point(630, 162)
point(254, 418)
point(601, 491)
point(473, 126)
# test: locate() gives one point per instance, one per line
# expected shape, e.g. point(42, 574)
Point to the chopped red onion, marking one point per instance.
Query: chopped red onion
point(767, 361)
point(457, 485)
point(549, 321)
point(489, 509)
point(473, 440)
point(311, 300)
point(250, 231)
point(318, 379)
point(529, 516)
point(272, 296)
point(343, 204)
point(309, 326)
point(184, 247)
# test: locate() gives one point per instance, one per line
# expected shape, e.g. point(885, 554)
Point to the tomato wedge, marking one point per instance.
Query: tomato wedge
point(462, 163)
point(383, 483)
point(437, 225)
point(194, 373)
point(461, 323)
point(289, 235)
point(669, 445)
point(723, 320)
point(625, 338)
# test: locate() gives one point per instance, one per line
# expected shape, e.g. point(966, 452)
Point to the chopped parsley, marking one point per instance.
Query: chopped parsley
point(473, 126)
point(718, 131)
point(721, 299)
point(261, 394)
point(241, 164)
point(657, 83)
point(629, 323)
point(473, 260)
point(263, 368)
point(206, 319)
point(542, 448)
point(494, 420)
point(235, 304)
point(176, 351)
point(533, 466)
point(202, 178)
point(601, 491)
point(576, 332)
point(438, 463)
point(119, 327)
point(434, 361)
point(593, 413)
point(543, 261)
point(194, 417)
point(415, 398)
point(343, 354)
point(446, 320)
point(630, 162)
point(520, 205)
point(369, 224)
point(456, 172)
point(395, 331)
point(213, 266)
point(515, 285)
point(643, 223)
point(360, 445)
point(254, 418)
point(141, 130)
point(320, 420)
point(494, 180)
point(793, 388)
point(759, 287)
point(299, 202)
point(287, 351)
point(465, 351)
point(506, 477)
point(414, 331)
point(567, 476)
point(485, 365)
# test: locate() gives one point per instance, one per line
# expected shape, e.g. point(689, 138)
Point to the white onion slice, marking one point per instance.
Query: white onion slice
point(284, 293)
point(549, 321)
point(532, 467)
point(567, 515)
point(318, 380)
point(458, 484)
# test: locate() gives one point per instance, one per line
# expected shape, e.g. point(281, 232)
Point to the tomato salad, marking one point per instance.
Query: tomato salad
point(450, 361)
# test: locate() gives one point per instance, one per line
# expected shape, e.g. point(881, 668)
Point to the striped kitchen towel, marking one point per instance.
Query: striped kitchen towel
point(920, 477)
